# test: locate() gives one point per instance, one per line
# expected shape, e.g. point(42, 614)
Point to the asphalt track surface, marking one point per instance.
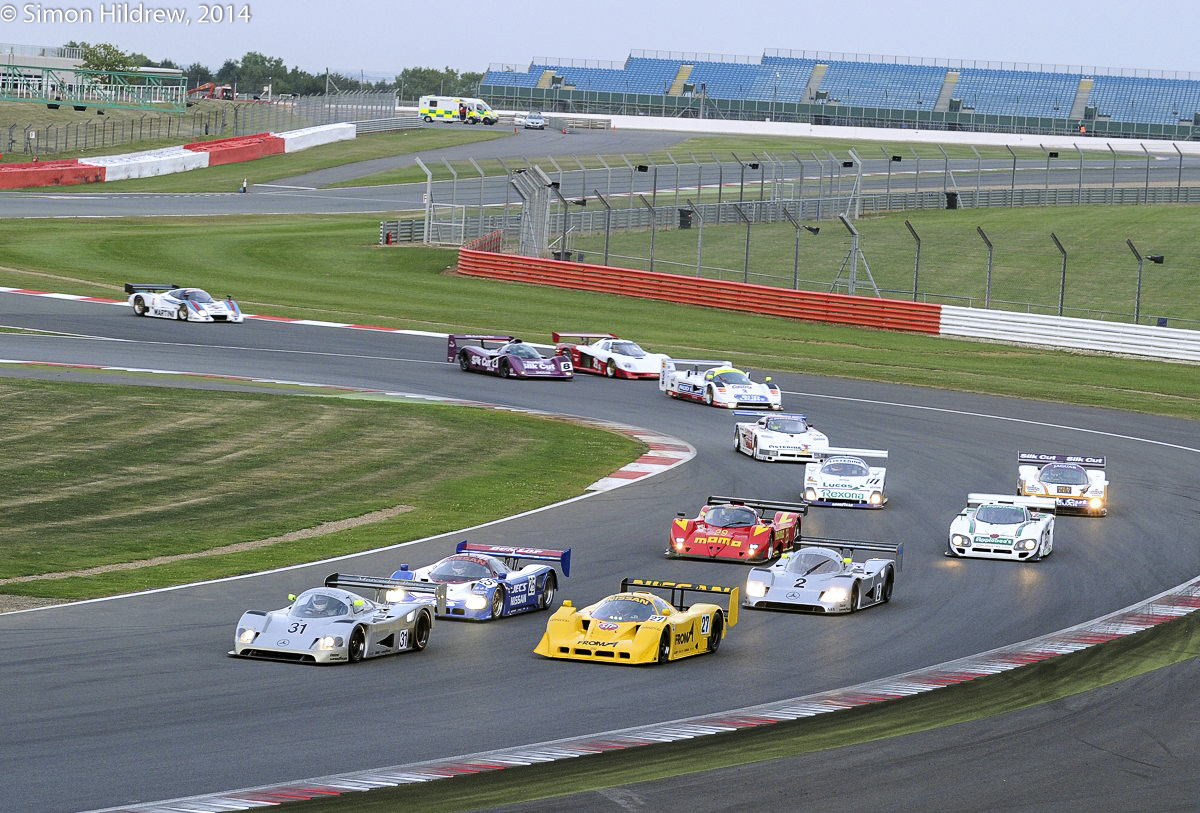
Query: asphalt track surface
point(134, 699)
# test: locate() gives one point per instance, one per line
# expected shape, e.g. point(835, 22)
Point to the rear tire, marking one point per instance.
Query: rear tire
point(357, 650)
point(139, 306)
point(548, 593)
point(420, 633)
point(714, 637)
point(464, 363)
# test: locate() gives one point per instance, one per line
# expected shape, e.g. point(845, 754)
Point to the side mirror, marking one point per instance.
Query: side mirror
point(567, 603)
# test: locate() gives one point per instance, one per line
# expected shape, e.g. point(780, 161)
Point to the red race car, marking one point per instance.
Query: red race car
point(733, 529)
point(609, 355)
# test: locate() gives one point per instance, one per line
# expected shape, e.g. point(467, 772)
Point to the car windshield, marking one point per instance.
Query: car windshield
point(813, 562)
point(461, 568)
point(629, 608)
point(522, 351)
point(844, 468)
point(193, 295)
point(1064, 474)
point(788, 426)
point(1000, 514)
point(630, 349)
point(730, 516)
point(318, 605)
point(733, 377)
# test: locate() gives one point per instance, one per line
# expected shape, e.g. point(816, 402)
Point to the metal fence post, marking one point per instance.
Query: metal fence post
point(607, 221)
point(1062, 281)
point(746, 262)
point(916, 259)
point(987, 285)
point(653, 227)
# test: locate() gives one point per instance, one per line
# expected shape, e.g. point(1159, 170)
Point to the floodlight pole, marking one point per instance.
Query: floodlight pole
point(1062, 282)
point(987, 287)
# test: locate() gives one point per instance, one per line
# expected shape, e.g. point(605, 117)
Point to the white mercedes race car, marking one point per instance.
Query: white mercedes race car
point(823, 577)
point(716, 383)
point(842, 477)
point(330, 624)
point(609, 355)
point(778, 437)
point(998, 526)
point(1074, 482)
point(185, 304)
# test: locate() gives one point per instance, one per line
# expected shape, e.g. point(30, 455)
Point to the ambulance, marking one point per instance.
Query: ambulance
point(446, 108)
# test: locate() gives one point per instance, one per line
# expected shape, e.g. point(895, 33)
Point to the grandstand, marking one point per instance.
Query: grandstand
point(863, 90)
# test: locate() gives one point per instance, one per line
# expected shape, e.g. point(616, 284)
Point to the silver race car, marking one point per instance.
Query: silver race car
point(330, 624)
point(999, 526)
point(170, 301)
point(781, 437)
point(824, 576)
point(842, 477)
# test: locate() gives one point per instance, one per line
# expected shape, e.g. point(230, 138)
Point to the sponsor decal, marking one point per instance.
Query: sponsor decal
point(598, 643)
point(607, 626)
point(994, 541)
point(682, 638)
point(282, 642)
point(843, 495)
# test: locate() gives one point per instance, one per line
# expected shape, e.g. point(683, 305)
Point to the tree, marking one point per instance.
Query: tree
point(105, 57)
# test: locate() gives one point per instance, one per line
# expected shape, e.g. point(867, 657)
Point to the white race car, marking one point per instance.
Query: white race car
point(1074, 482)
point(609, 355)
point(184, 304)
point(716, 383)
point(842, 477)
point(998, 526)
point(778, 437)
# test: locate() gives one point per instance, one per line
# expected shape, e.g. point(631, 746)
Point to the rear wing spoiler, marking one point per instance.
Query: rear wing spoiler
point(390, 591)
point(761, 505)
point(512, 555)
point(143, 287)
point(679, 589)
point(555, 337)
point(1045, 505)
point(824, 454)
point(457, 340)
point(1037, 459)
point(848, 547)
point(759, 414)
point(694, 364)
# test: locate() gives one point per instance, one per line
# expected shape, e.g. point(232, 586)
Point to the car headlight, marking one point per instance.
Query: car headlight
point(810, 494)
point(876, 498)
point(753, 549)
point(327, 643)
point(1027, 544)
point(394, 596)
point(1096, 502)
point(678, 544)
point(960, 541)
point(246, 636)
point(476, 601)
point(835, 595)
point(756, 589)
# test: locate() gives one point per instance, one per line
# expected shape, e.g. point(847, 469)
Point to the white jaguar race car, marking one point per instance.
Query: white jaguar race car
point(1074, 482)
point(778, 437)
point(330, 624)
point(609, 355)
point(842, 477)
point(185, 304)
point(716, 383)
point(823, 577)
point(998, 526)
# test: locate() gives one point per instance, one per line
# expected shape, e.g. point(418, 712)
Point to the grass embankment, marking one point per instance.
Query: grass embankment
point(97, 475)
point(331, 268)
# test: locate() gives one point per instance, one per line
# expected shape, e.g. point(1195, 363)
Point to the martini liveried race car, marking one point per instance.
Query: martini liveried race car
point(998, 526)
point(330, 624)
point(736, 530)
point(609, 355)
point(635, 626)
point(716, 383)
point(1074, 482)
point(485, 582)
point(170, 301)
point(842, 477)
point(823, 576)
point(505, 356)
point(778, 437)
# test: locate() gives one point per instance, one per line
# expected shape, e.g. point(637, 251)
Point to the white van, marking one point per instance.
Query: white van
point(456, 108)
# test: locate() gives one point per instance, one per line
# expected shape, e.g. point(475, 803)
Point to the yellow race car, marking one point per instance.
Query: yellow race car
point(636, 626)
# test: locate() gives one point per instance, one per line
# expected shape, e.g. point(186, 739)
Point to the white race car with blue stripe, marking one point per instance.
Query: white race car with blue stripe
point(183, 304)
point(842, 477)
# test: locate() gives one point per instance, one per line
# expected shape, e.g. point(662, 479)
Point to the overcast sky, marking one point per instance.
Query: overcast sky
point(379, 38)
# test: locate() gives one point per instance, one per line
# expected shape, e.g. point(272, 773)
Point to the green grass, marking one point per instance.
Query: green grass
point(1172, 642)
point(86, 465)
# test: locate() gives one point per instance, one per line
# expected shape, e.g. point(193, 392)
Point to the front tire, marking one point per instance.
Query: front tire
point(889, 581)
point(181, 313)
point(497, 603)
point(139, 306)
point(714, 636)
point(708, 396)
point(664, 647)
point(504, 370)
point(420, 633)
point(610, 369)
point(854, 597)
point(357, 650)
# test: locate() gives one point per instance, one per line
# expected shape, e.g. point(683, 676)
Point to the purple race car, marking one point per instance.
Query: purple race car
point(505, 356)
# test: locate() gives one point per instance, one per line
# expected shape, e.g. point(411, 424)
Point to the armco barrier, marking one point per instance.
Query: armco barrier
point(48, 173)
point(244, 148)
point(1082, 334)
point(294, 140)
point(148, 164)
point(836, 309)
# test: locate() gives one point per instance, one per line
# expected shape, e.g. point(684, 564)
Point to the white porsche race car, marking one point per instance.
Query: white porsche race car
point(1074, 482)
point(998, 526)
point(842, 477)
point(184, 304)
point(716, 383)
point(609, 356)
point(779, 437)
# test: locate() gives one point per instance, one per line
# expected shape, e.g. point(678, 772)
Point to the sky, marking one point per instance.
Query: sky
point(378, 38)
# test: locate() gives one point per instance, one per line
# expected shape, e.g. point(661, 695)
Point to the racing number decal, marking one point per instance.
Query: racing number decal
point(800, 582)
point(402, 639)
point(296, 626)
point(704, 623)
